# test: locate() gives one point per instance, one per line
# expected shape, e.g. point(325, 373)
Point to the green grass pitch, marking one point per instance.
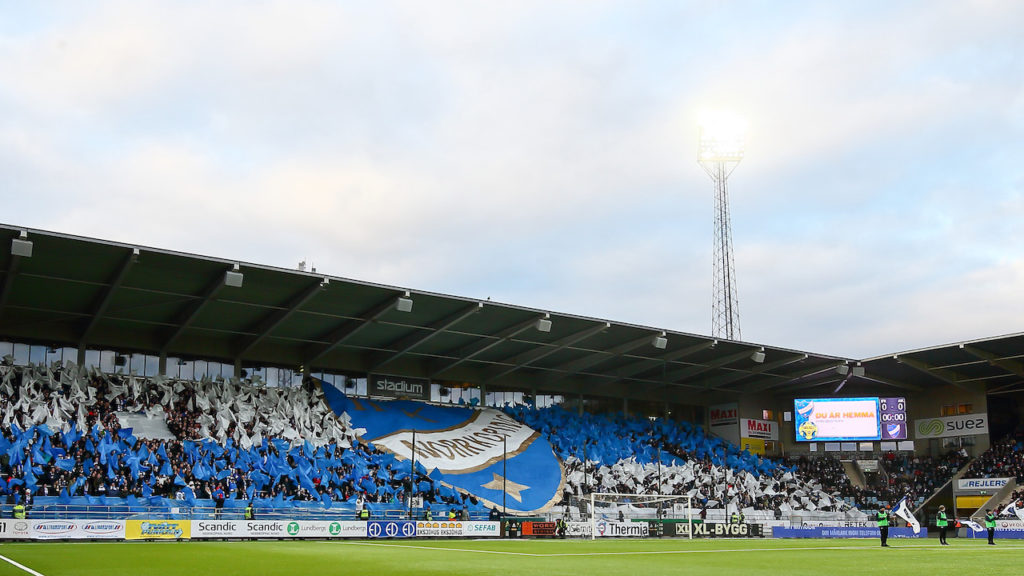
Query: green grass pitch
point(511, 558)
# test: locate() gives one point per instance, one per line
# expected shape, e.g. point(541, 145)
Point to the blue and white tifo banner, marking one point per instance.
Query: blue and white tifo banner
point(462, 448)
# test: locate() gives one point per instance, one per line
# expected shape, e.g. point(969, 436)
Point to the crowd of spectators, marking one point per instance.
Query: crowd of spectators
point(1004, 459)
point(61, 436)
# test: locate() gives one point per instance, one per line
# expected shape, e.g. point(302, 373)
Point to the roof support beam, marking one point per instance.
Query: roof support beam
point(582, 364)
point(352, 327)
point(275, 318)
point(528, 358)
point(12, 272)
point(191, 311)
point(680, 375)
point(406, 345)
point(1014, 366)
point(944, 374)
point(798, 377)
point(499, 338)
point(718, 382)
point(104, 299)
point(630, 370)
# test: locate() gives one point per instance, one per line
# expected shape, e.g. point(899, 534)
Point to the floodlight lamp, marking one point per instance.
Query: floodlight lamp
point(544, 324)
point(842, 369)
point(404, 303)
point(233, 277)
point(758, 356)
point(722, 137)
point(659, 341)
point(858, 371)
point(21, 246)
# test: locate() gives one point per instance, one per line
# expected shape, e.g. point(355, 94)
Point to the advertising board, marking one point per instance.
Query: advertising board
point(466, 529)
point(278, 529)
point(391, 529)
point(704, 530)
point(157, 529)
point(950, 426)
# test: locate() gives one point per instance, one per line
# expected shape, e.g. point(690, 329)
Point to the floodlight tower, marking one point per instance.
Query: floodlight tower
point(719, 152)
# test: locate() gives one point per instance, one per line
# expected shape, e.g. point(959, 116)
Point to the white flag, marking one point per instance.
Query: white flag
point(972, 525)
point(1013, 508)
point(903, 511)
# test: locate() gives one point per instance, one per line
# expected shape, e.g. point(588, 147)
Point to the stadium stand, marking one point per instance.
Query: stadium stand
point(65, 447)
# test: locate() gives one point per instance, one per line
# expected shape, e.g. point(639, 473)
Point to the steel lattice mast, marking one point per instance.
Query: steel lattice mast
point(719, 154)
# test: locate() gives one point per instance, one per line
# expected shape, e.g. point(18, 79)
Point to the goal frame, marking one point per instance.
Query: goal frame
point(655, 498)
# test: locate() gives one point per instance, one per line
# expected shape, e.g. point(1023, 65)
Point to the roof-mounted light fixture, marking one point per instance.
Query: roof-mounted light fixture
point(404, 303)
point(659, 341)
point(21, 246)
point(758, 355)
point(234, 277)
point(544, 324)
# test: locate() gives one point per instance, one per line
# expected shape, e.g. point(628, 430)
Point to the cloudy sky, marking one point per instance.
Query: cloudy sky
point(544, 153)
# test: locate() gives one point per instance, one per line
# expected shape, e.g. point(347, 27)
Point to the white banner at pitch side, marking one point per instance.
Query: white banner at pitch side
point(76, 529)
point(278, 529)
point(472, 446)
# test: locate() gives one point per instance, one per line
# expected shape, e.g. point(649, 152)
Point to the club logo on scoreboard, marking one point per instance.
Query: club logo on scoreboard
point(808, 430)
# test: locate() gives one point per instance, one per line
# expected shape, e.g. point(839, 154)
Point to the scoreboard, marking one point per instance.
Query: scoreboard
point(850, 419)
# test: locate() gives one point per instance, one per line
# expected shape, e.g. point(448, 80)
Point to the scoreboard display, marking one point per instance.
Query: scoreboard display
point(850, 419)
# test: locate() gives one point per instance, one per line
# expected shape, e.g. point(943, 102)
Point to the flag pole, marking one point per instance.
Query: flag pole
point(412, 473)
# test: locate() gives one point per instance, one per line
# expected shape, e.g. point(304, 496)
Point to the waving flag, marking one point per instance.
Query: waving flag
point(972, 525)
point(465, 448)
point(1014, 509)
point(902, 510)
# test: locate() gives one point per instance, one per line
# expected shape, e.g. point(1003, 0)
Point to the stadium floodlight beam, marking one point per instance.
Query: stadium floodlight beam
point(721, 145)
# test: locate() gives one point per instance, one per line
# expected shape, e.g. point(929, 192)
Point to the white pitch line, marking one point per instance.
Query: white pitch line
point(25, 568)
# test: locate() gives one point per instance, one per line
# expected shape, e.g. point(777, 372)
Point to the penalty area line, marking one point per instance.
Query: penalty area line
point(17, 565)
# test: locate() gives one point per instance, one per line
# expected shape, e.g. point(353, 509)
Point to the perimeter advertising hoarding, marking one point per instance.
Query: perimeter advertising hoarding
point(704, 530)
point(622, 529)
point(849, 419)
point(278, 529)
point(458, 529)
point(76, 529)
point(538, 528)
point(13, 529)
point(158, 529)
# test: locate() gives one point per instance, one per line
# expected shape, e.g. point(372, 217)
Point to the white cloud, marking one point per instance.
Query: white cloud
point(543, 154)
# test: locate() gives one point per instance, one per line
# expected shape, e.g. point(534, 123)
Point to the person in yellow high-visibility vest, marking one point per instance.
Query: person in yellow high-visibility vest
point(941, 522)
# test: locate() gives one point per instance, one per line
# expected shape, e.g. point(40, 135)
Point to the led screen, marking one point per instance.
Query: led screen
point(849, 419)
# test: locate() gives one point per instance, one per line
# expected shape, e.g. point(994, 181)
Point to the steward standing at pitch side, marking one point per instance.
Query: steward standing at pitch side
point(990, 525)
point(941, 522)
point(883, 517)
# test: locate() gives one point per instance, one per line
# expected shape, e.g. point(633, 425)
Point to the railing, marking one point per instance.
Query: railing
point(184, 512)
